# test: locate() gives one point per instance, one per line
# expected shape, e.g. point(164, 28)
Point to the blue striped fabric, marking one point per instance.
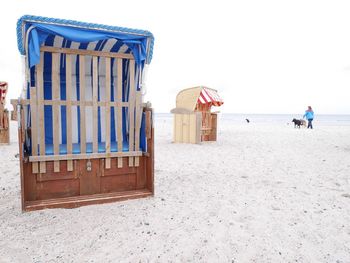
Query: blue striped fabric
point(107, 45)
point(24, 23)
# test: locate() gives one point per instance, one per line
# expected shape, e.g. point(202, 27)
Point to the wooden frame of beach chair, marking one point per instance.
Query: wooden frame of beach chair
point(193, 120)
point(4, 115)
point(87, 171)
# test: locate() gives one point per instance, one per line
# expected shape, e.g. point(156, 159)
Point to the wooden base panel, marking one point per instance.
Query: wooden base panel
point(195, 127)
point(73, 202)
point(73, 183)
point(4, 127)
point(4, 136)
point(90, 182)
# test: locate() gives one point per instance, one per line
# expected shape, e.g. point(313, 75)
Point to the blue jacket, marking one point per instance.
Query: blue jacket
point(309, 115)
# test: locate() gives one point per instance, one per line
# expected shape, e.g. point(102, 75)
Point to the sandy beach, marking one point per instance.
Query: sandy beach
point(261, 193)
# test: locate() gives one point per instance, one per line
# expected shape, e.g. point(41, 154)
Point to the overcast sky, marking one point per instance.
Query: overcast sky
point(262, 56)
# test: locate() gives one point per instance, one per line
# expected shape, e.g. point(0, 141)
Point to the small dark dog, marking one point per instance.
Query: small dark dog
point(247, 120)
point(297, 123)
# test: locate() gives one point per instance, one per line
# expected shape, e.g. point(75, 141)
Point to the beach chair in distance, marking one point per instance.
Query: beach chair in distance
point(4, 115)
point(85, 134)
point(193, 120)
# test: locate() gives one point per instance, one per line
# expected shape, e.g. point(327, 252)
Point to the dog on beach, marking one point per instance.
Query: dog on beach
point(298, 123)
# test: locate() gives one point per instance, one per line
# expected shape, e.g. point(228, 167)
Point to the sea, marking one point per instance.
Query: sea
point(320, 119)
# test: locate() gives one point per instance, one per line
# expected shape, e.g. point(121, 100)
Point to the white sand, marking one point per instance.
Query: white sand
point(262, 193)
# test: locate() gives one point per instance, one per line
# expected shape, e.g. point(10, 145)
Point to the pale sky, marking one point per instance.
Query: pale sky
point(262, 56)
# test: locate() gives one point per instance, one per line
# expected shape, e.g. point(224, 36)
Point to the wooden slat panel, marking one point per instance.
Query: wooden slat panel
point(22, 167)
point(179, 127)
point(83, 156)
point(138, 124)
point(69, 108)
point(34, 126)
point(185, 128)
point(86, 52)
point(213, 122)
point(115, 88)
point(131, 110)
point(149, 161)
point(174, 127)
point(89, 183)
point(189, 128)
point(82, 107)
point(192, 127)
point(94, 107)
point(137, 161)
point(115, 172)
point(108, 111)
point(119, 109)
point(62, 175)
point(55, 109)
point(78, 103)
point(120, 163)
point(40, 87)
point(149, 124)
point(198, 126)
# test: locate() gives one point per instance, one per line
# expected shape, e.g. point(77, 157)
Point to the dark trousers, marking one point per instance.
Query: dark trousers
point(309, 123)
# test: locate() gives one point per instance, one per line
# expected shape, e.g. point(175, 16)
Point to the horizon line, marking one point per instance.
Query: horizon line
point(239, 113)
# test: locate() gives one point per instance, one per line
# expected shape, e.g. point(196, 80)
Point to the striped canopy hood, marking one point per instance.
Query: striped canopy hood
point(210, 96)
point(35, 31)
point(188, 98)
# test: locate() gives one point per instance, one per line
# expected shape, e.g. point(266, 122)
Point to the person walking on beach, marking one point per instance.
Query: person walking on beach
point(309, 114)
